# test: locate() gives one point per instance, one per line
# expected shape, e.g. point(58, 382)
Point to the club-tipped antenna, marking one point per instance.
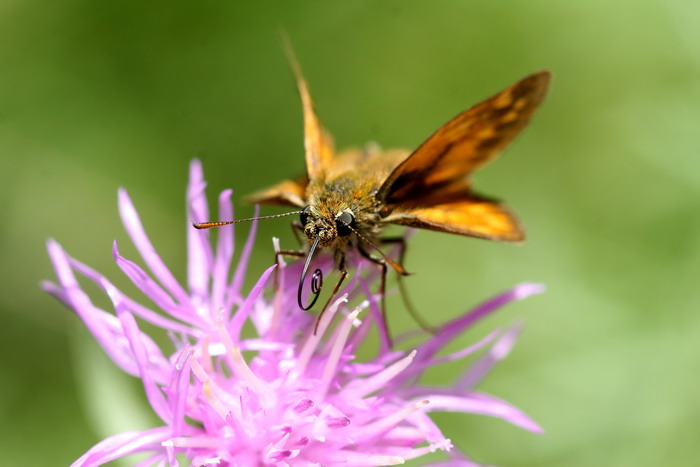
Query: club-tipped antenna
point(211, 225)
point(316, 278)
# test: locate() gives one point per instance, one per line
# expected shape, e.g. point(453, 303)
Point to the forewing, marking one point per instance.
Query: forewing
point(287, 193)
point(472, 216)
point(318, 144)
point(465, 143)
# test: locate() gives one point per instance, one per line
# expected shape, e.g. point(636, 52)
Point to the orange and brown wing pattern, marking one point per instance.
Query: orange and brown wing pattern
point(318, 143)
point(465, 143)
point(286, 193)
point(472, 216)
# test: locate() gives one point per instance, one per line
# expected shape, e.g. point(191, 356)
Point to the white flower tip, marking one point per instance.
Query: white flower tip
point(123, 197)
point(353, 316)
point(195, 164)
point(343, 299)
point(506, 342)
point(54, 248)
point(196, 174)
point(393, 460)
point(127, 211)
point(168, 444)
point(444, 445)
point(527, 289)
point(276, 246)
point(115, 250)
point(112, 292)
point(183, 357)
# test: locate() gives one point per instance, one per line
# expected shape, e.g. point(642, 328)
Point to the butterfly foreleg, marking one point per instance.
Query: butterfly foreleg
point(336, 288)
point(281, 253)
point(298, 230)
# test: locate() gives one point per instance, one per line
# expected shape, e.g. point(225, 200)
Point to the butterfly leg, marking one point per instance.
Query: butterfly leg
point(297, 230)
point(281, 253)
point(401, 242)
point(381, 262)
point(336, 288)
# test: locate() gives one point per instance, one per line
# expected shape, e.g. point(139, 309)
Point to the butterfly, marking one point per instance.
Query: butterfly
point(347, 198)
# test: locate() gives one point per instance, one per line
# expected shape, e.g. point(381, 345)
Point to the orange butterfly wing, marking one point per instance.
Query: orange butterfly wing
point(472, 216)
point(431, 189)
point(471, 139)
point(286, 193)
point(318, 143)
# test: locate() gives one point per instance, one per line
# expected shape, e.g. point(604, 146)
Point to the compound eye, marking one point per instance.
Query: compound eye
point(304, 216)
point(343, 222)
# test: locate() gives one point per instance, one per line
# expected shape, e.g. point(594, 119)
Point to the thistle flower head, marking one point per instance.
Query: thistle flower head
point(287, 395)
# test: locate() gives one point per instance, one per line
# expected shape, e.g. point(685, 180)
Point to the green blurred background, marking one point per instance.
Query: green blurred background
point(97, 95)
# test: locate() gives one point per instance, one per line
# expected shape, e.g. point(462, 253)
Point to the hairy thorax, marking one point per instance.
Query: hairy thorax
point(347, 193)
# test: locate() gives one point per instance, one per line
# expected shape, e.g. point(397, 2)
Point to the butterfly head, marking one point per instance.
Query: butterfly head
point(328, 228)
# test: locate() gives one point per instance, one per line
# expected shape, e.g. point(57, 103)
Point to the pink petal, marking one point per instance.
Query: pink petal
point(498, 351)
point(412, 374)
point(153, 291)
point(242, 313)
point(136, 341)
point(97, 321)
point(234, 290)
point(138, 309)
point(177, 393)
point(123, 444)
point(365, 386)
point(484, 405)
point(224, 252)
point(132, 224)
point(455, 327)
point(151, 461)
point(200, 258)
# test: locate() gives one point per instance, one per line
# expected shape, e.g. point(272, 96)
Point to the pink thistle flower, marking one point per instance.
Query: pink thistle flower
point(286, 396)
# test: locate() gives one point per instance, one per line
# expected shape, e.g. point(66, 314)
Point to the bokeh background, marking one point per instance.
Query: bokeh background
point(97, 95)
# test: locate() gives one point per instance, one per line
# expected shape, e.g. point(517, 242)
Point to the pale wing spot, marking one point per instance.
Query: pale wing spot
point(457, 131)
point(520, 103)
point(510, 117)
point(502, 100)
point(486, 133)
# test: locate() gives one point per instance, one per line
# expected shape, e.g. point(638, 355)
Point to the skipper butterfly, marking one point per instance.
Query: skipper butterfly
point(348, 198)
